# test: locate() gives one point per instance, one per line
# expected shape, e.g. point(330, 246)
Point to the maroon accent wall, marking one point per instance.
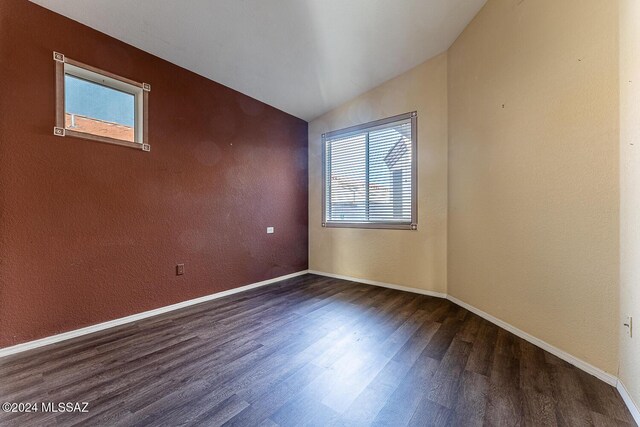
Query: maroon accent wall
point(91, 232)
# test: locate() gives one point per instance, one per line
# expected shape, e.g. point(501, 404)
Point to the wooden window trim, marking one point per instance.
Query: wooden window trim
point(60, 129)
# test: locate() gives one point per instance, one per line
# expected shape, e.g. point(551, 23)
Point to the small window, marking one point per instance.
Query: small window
point(99, 106)
point(370, 175)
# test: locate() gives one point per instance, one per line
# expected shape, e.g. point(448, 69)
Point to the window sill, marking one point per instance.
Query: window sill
point(104, 139)
point(371, 225)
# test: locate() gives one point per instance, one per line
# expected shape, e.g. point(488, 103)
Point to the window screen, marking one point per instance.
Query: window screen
point(370, 175)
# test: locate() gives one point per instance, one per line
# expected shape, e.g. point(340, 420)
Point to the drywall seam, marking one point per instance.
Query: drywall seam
point(19, 348)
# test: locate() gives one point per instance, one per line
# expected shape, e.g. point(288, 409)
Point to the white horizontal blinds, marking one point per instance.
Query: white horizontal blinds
point(369, 175)
point(347, 176)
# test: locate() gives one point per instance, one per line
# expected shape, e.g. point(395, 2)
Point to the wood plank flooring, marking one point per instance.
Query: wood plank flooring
point(308, 351)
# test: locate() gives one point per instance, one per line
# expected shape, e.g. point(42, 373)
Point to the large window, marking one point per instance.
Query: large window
point(100, 106)
point(370, 175)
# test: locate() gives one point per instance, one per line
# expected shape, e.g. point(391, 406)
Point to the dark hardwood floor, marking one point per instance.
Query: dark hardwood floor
point(308, 351)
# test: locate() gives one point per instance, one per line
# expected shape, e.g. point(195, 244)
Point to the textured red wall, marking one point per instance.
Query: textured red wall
point(91, 232)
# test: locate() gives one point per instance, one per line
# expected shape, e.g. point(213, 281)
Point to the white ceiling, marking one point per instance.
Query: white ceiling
point(304, 57)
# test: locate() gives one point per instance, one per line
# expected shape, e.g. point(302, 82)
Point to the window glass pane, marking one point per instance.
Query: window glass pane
point(369, 174)
point(347, 192)
point(390, 174)
point(98, 110)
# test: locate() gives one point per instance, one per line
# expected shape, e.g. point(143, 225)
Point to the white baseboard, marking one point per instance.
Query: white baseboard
point(134, 317)
point(598, 373)
point(579, 363)
point(633, 407)
point(381, 284)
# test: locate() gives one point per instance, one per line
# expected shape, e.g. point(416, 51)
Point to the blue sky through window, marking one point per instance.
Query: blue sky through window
point(99, 102)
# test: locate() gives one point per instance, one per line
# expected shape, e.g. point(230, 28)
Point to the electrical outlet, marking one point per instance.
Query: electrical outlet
point(628, 323)
point(270, 230)
point(179, 269)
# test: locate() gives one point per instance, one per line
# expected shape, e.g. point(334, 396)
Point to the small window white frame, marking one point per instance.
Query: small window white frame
point(140, 91)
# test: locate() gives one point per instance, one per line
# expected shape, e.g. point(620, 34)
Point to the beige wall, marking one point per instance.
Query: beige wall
point(533, 171)
point(630, 193)
point(522, 116)
point(409, 258)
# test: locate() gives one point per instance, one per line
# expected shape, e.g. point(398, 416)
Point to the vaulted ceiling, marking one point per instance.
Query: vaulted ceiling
point(304, 57)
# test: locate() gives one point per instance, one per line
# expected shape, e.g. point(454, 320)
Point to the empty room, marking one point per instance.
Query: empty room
point(320, 213)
